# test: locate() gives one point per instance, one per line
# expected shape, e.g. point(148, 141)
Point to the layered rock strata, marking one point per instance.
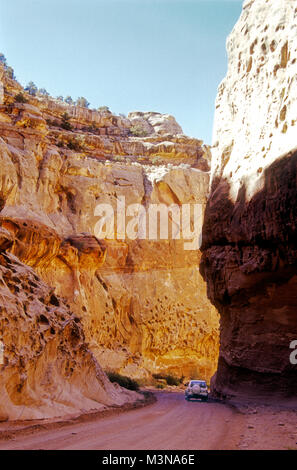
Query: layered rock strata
point(142, 304)
point(47, 369)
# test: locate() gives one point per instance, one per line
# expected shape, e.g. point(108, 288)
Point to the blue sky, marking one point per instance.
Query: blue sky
point(147, 55)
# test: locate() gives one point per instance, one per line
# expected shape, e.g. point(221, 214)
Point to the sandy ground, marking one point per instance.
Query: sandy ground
point(170, 423)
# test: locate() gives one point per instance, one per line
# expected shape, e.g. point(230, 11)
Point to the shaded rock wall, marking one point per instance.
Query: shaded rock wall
point(249, 239)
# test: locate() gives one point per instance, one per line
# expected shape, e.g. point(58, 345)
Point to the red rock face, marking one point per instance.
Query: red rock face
point(249, 240)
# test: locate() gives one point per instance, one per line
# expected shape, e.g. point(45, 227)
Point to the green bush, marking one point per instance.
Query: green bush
point(138, 131)
point(156, 159)
point(91, 128)
point(65, 124)
point(20, 98)
point(123, 381)
point(104, 109)
point(170, 379)
point(74, 144)
point(161, 386)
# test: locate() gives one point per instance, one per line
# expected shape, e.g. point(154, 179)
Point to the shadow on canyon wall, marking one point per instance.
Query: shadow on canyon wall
point(250, 264)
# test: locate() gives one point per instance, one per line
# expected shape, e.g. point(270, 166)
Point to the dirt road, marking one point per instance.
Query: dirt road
point(170, 423)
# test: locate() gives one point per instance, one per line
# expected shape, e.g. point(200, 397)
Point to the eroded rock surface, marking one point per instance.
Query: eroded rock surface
point(142, 304)
point(48, 369)
point(249, 242)
point(158, 123)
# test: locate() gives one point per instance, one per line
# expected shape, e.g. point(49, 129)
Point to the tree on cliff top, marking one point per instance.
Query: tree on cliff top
point(10, 73)
point(104, 109)
point(82, 102)
point(43, 92)
point(69, 100)
point(3, 59)
point(9, 70)
point(31, 88)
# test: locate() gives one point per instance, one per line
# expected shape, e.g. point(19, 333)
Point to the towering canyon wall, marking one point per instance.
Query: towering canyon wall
point(249, 239)
point(140, 306)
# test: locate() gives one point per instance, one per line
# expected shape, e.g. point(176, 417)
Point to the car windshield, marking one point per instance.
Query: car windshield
point(198, 382)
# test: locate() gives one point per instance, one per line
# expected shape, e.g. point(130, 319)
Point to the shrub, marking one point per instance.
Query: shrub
point(73, 144)
point(20, 98)
point(170, 379)
point(65, 124)
point(91, 128)
point(123, 381)
point(104, 109)
point(138, 131)
point(77, 144)
point(161, 386)
point(156, 160)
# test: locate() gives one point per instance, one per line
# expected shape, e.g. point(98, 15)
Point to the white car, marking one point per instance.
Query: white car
point(197, 389)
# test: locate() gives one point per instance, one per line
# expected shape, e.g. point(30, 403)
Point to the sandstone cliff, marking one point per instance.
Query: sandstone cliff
point(48, 369)
point(141, 305)
point(249, 241)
